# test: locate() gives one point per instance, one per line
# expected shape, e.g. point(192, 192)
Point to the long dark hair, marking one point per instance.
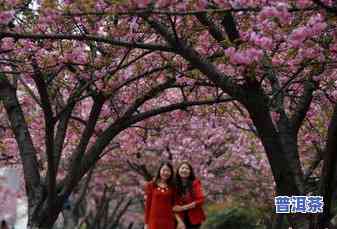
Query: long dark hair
point(184, 189)
point(170, 181)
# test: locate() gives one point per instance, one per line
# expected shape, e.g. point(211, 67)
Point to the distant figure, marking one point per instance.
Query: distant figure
point(4, 224)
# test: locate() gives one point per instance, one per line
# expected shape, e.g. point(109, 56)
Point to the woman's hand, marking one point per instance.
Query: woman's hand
point(191, 205)
point(178, 208)
point(181, 225)
point(145, 226)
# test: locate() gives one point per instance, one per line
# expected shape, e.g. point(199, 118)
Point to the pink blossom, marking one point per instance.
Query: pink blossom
point(241, 3)
point(163, 3)
point(254, 54)
point(141, 3)
point(279, 11)
point(6, 17)
point(315, 19)
point(100, 5)
point(334, 47)
point(298, 36)
point(316, 24)
point(222, 3)
point(317, 77)
point(254, 36)
point(11, 2)
point(244, 35)
point(276, 61)
point(7, 44)
point(77, 55)
point(204, 42)
point(68, 2)
point(240, 58)
point(230, 51)
point(41, 27)
point(303, 3)
point(244, 57)
point(202, 4)
point(263, 42)
point(267, 12)
point(266, 42)
point(181, 6)
point(134, 25)
point(283, 13)
point(27, 45)
point(318, 28)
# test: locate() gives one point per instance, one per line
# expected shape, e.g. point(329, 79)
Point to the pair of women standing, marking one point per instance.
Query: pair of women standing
point(174, 205)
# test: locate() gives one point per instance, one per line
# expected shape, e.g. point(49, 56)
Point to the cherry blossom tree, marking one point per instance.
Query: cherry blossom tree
point(71, 101)
point(82, 72)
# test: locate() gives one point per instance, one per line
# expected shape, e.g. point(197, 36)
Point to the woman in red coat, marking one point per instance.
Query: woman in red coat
point(190, 198)
point(159, 200)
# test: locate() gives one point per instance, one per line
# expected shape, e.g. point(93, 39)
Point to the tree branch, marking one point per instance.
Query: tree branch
point(140, 169)
point(83, 190)
point(151, 94)
point(61, 133)
point(213, 29)
point(303, 105)
point(176, 106)
point(19, 126)
point(77, 156)
point(270, 74)
point(38, 78)
point(229, 24)
point(140, 76)
point(202, 64)
point(181, 13)
point(313, 165)
point(116, 42)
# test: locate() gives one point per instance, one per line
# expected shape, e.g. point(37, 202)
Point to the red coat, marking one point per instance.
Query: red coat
point(159, 207)
point(196, 215)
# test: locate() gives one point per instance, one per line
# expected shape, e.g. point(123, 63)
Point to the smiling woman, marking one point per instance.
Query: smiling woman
point(190, 198)
point(159, 200)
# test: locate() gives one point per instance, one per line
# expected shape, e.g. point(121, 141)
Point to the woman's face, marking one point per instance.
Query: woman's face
point(165, 173)
point(184, 171)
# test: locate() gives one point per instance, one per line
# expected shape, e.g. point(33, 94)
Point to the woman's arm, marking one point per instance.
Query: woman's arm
point(198, 198)
point(180, 222)
point(179, 208)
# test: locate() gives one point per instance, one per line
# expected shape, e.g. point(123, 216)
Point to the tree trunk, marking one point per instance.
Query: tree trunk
point(328, 175)
point(281, 149)
point(285, 165)
point(41, 215)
